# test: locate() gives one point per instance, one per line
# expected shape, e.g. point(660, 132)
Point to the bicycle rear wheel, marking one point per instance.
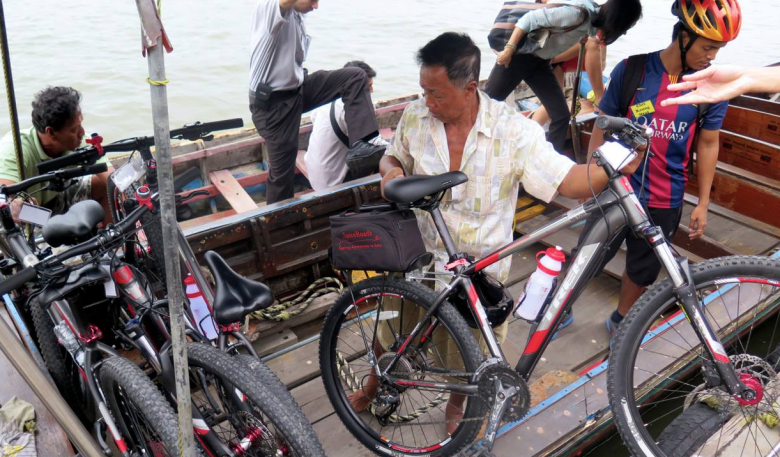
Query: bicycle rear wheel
point(399, 419)
point(244, 403)
point(657, 366)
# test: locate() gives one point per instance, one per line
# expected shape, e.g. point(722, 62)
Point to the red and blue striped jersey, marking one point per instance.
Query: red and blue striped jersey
point(674, 126)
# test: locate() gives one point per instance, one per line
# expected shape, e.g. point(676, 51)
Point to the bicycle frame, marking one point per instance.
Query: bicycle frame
point(620, 208)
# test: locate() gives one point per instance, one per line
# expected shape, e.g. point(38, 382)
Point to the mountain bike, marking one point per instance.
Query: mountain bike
point(396, 356)
point(139, 418)
point(231, 300)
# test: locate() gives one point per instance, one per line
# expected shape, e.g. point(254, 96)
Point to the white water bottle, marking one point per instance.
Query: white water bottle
point(539, 285)
point(200, 309)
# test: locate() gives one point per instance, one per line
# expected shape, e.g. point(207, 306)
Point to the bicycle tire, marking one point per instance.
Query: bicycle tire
point(452, 322)
point(690, 430)
point(56, 358)
point(152, 229)
point(716, 281)
point(277, 411)
point(130, 394)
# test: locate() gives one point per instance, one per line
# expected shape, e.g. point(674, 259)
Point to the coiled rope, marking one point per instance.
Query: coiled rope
point(280, 311)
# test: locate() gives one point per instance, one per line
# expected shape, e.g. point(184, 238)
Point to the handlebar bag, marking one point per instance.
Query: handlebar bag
point(378, 240)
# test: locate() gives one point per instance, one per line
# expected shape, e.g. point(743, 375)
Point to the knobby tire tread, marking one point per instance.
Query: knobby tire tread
point(262, 388)
point(448, 315)
point(631, 330)
point(145, 396)
point(690, 430)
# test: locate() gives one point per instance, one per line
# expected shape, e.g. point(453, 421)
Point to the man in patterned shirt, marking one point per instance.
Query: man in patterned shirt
point(456, 127)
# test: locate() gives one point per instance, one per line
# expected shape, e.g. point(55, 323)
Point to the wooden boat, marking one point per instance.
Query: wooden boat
point(286, 245)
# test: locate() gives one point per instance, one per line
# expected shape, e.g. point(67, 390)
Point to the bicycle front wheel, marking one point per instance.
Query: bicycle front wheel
point(397, 418)
point(247, 406)
point(663, 390)
point(146, 420)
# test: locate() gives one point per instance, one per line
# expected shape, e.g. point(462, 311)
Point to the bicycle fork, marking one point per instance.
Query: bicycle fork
point(685, 290)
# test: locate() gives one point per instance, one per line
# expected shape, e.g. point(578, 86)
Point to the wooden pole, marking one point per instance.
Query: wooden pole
point(9, 90)
point(162, 142)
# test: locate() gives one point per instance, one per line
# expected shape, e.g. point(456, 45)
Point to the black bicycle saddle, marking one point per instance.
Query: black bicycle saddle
point(413, 188)
point(237, 296)
point(78, 224)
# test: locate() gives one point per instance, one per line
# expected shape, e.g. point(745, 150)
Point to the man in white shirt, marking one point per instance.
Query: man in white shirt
point(280, 90)
point(326, 156)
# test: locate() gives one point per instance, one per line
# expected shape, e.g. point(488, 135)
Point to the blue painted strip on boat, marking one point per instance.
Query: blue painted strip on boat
point(21, 327)
point(603, 367)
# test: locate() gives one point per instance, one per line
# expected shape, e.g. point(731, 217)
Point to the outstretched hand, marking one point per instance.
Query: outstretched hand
point(713, 84)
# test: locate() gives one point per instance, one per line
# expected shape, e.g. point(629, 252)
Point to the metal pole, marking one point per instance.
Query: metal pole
point(9, 90)
point(17, 354)
point(162, 144)
point(579, 155)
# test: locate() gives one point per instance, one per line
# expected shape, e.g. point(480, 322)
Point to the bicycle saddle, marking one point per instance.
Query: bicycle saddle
point(78, 224)
point(413, 188)
point(236, 296)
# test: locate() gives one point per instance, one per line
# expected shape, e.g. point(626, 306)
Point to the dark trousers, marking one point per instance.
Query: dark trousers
point(539, 76)
point(280, 123)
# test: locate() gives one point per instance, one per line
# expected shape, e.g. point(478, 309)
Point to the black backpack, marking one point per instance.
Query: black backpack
point(635, 69)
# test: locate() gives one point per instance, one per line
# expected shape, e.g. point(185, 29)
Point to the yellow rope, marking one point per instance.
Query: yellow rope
point(164, 82)
point(159, 8)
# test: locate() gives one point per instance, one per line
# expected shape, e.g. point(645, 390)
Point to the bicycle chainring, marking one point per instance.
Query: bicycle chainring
point(518, 404)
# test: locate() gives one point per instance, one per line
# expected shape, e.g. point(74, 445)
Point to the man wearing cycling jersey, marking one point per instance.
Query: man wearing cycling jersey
point(56, 131)
point(703, 29)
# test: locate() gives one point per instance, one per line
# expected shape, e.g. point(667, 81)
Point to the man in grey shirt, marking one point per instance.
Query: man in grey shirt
point(280, 90)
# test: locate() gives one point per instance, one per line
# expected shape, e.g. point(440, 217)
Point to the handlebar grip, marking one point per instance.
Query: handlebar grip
point(84, 171)
point(82, 157)
point(224, 125)
point(611, 124)
point(18, 280)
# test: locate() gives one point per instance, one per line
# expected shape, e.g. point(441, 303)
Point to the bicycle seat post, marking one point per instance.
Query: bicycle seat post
point(444, 233)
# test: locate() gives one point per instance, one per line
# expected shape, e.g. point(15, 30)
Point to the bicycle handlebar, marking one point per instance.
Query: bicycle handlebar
point(192, 132)
point(53, 176)
point(18, 280)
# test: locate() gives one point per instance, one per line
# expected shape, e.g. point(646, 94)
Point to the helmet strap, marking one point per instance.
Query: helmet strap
point(683, 47)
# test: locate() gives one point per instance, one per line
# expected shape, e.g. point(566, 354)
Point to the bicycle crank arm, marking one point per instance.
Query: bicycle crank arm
point(693, 310)
point(500, 403)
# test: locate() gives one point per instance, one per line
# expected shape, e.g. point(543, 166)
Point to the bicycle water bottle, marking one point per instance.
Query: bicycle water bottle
point(540, 285)
point(199, 308)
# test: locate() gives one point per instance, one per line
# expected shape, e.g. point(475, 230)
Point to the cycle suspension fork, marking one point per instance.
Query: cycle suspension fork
point(679, 271)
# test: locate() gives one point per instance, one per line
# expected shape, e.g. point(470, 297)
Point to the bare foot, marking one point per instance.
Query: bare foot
point(454, 412)
point(360, 399)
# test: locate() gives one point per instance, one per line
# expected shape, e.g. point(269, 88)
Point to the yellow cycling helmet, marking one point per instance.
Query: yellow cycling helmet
point(717, 20)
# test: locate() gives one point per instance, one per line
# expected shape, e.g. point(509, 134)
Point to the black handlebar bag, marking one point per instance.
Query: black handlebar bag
point(377, 240)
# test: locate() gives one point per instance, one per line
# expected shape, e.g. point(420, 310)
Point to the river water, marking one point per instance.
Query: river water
point(96, 48)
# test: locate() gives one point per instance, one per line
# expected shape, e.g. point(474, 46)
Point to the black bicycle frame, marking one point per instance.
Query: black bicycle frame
point(612, 211)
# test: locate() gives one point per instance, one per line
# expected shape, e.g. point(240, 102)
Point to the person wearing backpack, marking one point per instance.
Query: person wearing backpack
point(637, 89)
point(568, 22)
point(327, 159)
